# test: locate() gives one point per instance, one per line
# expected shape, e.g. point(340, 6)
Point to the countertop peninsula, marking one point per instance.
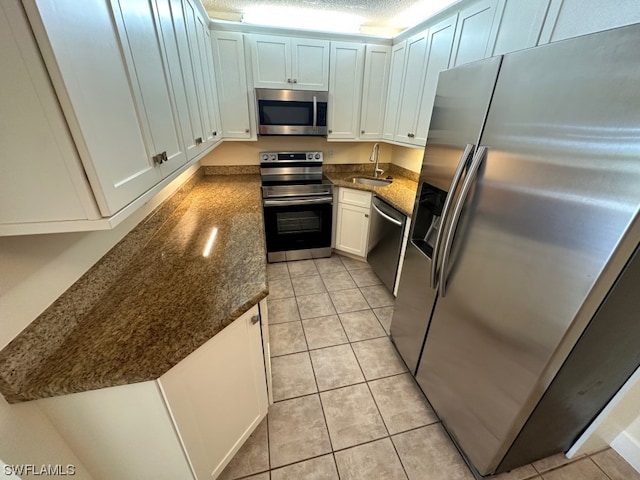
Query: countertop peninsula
point(152, 300)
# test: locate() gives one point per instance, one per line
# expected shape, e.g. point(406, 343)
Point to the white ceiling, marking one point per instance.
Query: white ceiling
point(378, 17)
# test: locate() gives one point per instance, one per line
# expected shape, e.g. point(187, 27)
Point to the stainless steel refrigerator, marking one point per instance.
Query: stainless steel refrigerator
point(518, 305)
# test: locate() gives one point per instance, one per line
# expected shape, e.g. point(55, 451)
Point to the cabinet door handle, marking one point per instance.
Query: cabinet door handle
point(410, 135)
point(289, 80)
point(295, 80)
point(366, 215)
point(329, 131)
point(246, 130)
point(362, 132)
point(160, 158)
point(198, 140)
point(255, 319)
point(215, 133)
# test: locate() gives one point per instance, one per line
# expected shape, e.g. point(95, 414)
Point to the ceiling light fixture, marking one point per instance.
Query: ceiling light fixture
point(306, 19)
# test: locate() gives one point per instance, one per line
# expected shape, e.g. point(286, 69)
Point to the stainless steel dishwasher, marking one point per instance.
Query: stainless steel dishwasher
point(385, 240)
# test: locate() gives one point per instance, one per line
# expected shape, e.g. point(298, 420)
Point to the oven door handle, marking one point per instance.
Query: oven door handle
point(300, 201)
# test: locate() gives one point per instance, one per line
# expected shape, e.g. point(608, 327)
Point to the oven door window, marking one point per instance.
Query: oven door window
point(276, 113)
point(295, 227)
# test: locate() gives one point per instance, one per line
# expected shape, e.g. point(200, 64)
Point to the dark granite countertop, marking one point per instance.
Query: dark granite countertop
point(152, 300)
point(401, 193)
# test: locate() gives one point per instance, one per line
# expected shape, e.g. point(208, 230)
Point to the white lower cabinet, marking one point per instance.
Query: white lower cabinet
point(352, 221)
point(217, 395)
point(186, 425)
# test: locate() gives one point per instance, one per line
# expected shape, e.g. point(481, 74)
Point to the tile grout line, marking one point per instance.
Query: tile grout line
point(315, 379)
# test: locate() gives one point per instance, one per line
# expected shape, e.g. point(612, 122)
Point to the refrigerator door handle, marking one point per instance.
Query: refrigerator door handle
point(457, 211)
point(457, 176)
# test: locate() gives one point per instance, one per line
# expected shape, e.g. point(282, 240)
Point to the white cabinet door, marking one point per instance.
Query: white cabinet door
point(352, 221)
point(398, 54)
point(231, 80)
point(140, 39)
point(520, 25)
point(211, 110)
point(412, 87)
point(345, 89)
point(215, 133)
point(571, 18)
point(289, 63)
point(352, 230)
point(310, 64)
point(41, 178)
point(474, 30)
point(83, 57)
point(271, 61)
point(198, 62)
point(173, 37)
point(377, 61)
point(218, 394)
point(437, 60)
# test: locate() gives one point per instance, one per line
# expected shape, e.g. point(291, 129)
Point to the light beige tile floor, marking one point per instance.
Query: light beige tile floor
point(345, 406)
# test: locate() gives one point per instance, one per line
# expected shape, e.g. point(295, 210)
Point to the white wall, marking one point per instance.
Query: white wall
point(246, 153)
point(627, 444)
point(409, 158)
point(37, 269)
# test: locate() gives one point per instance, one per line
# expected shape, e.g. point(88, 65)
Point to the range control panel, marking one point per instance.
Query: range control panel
point(267, 157)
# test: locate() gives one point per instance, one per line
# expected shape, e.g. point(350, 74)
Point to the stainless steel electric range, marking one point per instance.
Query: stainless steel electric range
point(297, 201)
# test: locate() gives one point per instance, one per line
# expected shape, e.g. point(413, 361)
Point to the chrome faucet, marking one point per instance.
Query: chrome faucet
point(375, 157)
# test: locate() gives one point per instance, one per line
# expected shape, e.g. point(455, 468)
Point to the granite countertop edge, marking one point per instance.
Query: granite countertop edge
point(400, 194)
point(130, 334)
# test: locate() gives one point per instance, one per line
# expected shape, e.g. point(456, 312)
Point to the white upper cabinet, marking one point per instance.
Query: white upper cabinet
point(436, 60)
point(231, 80)
point(136, 24)
point(289, 63)
point(345, 89)
point(202, 127)
point(377, 61)
point(519, 27)
point(474, 30)
point(571, 18)
point(398, 55)
point(82, 52)
point(175, 46)
point(41, 178)
point(414, 72)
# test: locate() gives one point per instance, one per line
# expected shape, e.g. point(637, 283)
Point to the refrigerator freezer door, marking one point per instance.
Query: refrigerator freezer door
point(413, 306)
point(459, 111)
point(543, 224)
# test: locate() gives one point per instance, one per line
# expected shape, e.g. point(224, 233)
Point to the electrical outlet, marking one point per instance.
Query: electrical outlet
point(330, 153)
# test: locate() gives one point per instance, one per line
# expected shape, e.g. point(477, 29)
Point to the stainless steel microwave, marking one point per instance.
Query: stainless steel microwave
point(291, 112)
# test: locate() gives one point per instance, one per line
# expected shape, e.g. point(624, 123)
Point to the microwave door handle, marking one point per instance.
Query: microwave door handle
point(315, 111)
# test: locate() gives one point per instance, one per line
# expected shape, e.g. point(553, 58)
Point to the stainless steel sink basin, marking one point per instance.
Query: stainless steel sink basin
point(376, 182)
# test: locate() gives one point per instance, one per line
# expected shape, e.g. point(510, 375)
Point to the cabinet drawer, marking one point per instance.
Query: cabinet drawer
point(358, 198)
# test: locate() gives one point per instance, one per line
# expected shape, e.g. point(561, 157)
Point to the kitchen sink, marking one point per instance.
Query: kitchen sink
point(376, 182)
